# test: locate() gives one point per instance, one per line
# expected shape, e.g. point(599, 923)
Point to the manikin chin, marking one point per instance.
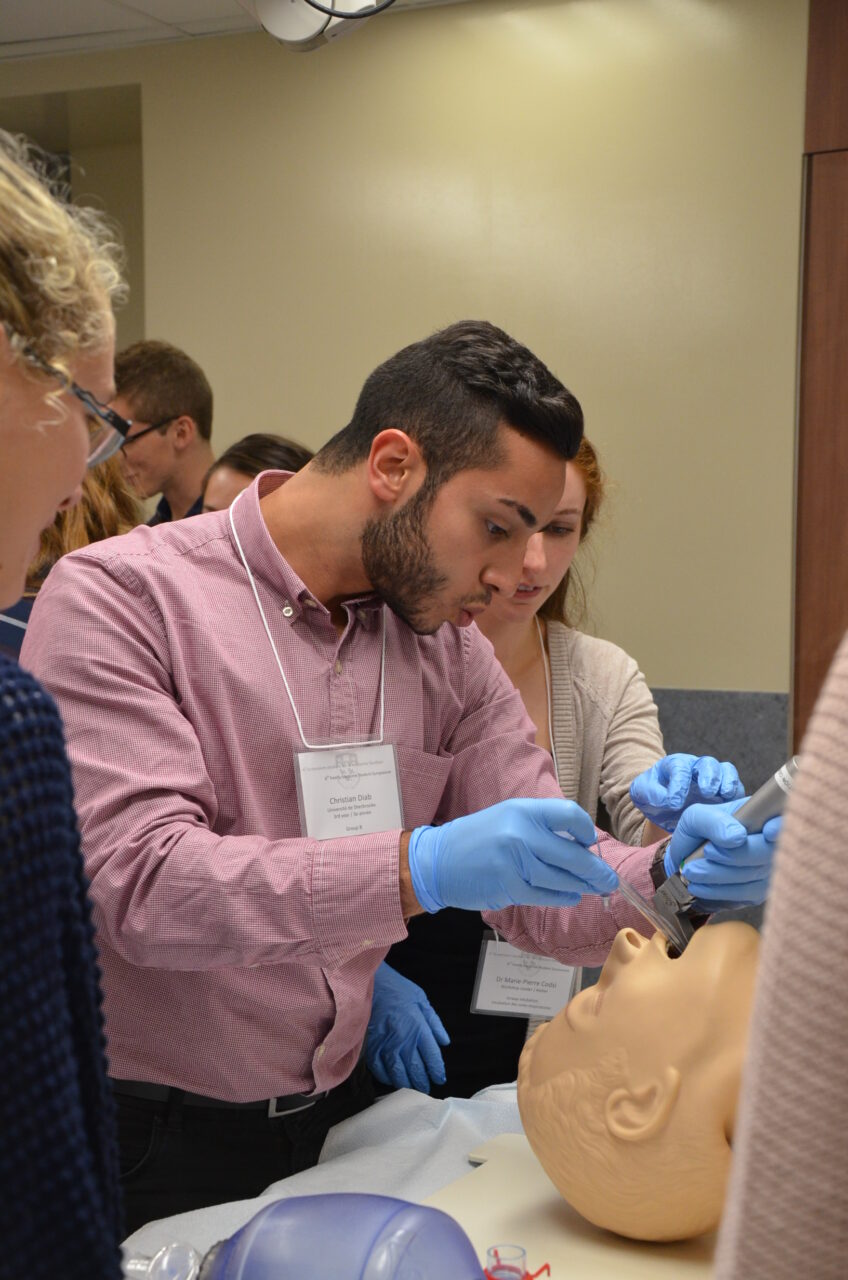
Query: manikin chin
point(628, 1097)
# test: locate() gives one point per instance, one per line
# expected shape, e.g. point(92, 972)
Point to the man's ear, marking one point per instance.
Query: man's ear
point(634, 1115)
point(185, 432)
point(396, 466)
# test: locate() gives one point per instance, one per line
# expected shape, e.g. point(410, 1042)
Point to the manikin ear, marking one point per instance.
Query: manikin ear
point(395, 466)
point(634, 1115)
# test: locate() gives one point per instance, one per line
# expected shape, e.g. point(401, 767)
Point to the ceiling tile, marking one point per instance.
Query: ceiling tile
point(36, 19)
point(179, 12)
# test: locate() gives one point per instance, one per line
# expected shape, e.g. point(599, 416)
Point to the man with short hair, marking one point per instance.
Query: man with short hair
point(272, 776)
point(168, 399)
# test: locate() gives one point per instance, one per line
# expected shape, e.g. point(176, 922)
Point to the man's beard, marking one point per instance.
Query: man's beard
point(398, 560)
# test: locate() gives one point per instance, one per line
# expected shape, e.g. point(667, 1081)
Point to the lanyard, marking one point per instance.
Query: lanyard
point(312, 746)
point(548, 691)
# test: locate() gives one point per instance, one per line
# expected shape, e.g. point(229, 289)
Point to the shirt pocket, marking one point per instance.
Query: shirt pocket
point(423, 778)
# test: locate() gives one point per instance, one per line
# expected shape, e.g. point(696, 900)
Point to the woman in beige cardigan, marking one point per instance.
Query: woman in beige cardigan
point(589, 701)
point(594, 712)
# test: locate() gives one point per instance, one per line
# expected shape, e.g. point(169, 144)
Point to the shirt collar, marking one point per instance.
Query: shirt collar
point(162, 514)
point(267, 562)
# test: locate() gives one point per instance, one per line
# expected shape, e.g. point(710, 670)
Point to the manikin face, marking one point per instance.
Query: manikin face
point(445, 558)
point(548, 556)
point(660, 1010)
point(148, 464)
point(44, 446)
point(223, 487)
point(628, 1097)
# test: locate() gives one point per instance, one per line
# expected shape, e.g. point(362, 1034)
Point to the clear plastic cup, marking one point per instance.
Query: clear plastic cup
point(506, 1262)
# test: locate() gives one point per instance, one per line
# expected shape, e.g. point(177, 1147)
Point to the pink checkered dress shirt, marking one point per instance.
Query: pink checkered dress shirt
point(238, 957)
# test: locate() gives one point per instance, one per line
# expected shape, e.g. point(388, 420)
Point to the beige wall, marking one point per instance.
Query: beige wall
point(99, 129)
point(110, 176)
point(617, 182)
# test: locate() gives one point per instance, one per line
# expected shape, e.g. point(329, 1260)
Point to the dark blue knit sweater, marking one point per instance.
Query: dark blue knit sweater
point(60, 1210)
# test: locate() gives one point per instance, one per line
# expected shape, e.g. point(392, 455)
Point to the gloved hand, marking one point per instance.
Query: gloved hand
point(404, 1034)
point(508, 855)
point(665, 790)
point(735, 867)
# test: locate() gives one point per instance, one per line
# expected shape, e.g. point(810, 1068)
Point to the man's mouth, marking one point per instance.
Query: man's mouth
point(469, 612)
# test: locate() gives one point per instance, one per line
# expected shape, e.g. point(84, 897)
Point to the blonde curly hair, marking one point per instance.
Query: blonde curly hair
point(60, 264)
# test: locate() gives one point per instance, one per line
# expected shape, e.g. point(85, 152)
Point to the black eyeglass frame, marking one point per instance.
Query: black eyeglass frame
point(155, 426)
point(107, 446)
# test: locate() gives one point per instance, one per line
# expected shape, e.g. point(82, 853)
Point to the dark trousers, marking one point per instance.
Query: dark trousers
point(176, 1157)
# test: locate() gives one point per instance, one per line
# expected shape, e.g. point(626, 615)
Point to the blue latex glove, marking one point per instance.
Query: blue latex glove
point(665, 790)
point(735, 868)
point(508, 855)
point(404, 1034)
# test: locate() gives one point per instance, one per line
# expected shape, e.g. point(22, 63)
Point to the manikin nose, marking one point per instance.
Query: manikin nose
point(627, 945)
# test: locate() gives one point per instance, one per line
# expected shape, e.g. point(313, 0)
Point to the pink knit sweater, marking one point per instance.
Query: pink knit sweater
point(786, 1214)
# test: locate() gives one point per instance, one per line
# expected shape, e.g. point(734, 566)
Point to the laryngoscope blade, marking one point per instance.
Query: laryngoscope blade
point(667, 928)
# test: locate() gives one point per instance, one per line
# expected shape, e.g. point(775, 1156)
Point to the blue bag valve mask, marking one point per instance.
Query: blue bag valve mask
point(345, 1236)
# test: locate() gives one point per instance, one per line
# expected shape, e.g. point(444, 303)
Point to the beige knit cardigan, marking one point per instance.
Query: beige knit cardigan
point(605, 726)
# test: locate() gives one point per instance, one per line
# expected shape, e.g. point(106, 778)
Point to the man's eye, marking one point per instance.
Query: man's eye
point(495, 529)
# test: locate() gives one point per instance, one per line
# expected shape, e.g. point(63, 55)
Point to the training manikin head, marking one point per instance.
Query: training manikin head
point(628, 1097)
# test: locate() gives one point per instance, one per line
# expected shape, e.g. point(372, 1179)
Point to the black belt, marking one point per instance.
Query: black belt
point(285, 1105)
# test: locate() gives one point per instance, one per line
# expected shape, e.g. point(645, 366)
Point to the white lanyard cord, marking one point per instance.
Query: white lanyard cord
point(548, 692)
point(312, 746)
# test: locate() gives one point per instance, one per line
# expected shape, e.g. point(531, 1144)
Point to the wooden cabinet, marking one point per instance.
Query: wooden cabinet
point(821, 545)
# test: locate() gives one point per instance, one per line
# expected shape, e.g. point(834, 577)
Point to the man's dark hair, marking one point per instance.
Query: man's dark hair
point(449, 393)
point(261, 451)
point(160, 381)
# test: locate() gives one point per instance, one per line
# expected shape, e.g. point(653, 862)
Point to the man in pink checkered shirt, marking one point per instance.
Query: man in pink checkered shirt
point(192, 664)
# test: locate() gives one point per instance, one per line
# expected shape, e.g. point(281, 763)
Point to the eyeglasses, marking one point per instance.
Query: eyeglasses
point(107, 430)
point(155, 426)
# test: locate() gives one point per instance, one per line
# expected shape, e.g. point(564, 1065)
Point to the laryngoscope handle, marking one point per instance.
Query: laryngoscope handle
point(767, 802)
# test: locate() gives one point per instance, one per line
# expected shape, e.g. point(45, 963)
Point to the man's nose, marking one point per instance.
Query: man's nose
point(534, 554)
point(503, 574)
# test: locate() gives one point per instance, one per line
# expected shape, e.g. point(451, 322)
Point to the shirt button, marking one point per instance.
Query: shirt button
point(361, 615)
point(310, 604)
point(288, 611)
point(366, 943)
point(320, 1051)
point(338, 667)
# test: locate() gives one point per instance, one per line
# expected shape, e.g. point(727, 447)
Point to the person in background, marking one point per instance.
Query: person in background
point(107, 508)
point(168, 400)
point(593, 711)
point(247, 458)
point(60, 1208)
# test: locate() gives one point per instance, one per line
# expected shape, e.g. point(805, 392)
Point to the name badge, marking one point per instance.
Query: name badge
point(518, 984)
point(348, 791)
